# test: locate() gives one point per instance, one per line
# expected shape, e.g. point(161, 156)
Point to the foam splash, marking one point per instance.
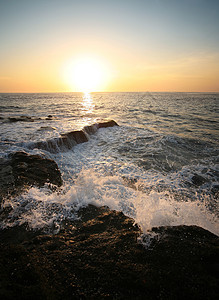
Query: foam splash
point(40, 208)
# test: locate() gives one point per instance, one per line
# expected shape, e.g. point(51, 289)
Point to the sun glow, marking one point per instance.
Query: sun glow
point(86, 75)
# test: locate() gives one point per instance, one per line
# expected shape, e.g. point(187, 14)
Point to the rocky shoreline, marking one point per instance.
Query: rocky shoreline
point(99, 255)
point(22, 170)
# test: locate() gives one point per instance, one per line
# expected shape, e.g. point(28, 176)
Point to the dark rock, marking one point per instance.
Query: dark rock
point(66, 142)
point(70, 139)
point(91, 129)
point(34, 169)
point(78, 135)
point(55, 145)
point(98, 257)
point(107, 124)
point(6, 178)
point(21, 119)
point(198, 180)
point(21, 170)
point(49, 117)
point(63, 143)
point(215, 189)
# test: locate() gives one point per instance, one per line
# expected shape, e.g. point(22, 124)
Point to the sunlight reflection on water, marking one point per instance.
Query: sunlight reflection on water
point(86, 111)
point(87, 104)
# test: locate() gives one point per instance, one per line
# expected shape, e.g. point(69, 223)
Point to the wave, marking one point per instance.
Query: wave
point(9, 107)
point(40, 208)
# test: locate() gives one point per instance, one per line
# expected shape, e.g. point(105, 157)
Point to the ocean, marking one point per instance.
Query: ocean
point(159, 166)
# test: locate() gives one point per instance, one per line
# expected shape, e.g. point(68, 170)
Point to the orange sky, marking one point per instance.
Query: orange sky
point(140, 46)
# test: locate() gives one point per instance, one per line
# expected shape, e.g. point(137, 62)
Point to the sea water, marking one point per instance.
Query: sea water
point(160, 166)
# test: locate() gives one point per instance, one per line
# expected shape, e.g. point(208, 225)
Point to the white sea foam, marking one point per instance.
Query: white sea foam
point(144, 168)
point(41, 208)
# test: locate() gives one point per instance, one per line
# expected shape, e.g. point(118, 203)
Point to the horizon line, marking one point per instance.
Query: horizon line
point(203, 92)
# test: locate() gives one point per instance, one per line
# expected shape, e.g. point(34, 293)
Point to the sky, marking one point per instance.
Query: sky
point(142, 45)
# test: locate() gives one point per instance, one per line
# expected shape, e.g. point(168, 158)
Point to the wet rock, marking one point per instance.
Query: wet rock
point(198, 180)
point(70, 139)
point(21, 170)
point(34, 169)
point(91, 129)
point(49, 117)
point(6, 174)
point(215, 190)
point(98, 257)
point(21, 119)
point(54, 145)
point(78, 135)
point(110, 123)
point(66, 142)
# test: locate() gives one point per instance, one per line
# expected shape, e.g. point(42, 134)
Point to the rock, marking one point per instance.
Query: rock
point(21, 119)
point(78, 135)
point(6, 174)
point(34, 169)
point(49, 117)
point(107, 124)
point(70, 139)
point(215, 190)
point(21, 170)
point(90, 129)
point(198, 180)
point(98, 257)
point(54, 145)
point(66, 142)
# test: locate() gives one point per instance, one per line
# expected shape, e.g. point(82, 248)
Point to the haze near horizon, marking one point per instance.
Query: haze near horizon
point(123, 45)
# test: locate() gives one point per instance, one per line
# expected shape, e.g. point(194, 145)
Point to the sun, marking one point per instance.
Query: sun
point(85, 74)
